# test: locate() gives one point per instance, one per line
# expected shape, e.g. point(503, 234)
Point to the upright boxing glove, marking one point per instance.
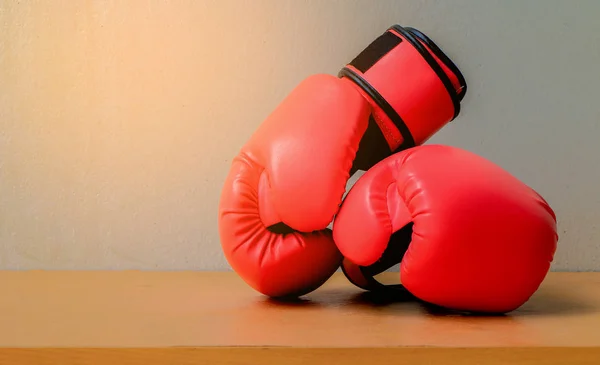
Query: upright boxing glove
point(288, 180)
point(468, 235)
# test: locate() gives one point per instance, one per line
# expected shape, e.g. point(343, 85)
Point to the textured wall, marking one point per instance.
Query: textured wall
point(119, 119)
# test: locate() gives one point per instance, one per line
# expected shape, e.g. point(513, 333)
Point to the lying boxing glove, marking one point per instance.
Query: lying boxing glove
point(288, 180)
point(468, 235)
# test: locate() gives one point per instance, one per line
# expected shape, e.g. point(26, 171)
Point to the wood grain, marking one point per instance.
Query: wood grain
point(134, 317)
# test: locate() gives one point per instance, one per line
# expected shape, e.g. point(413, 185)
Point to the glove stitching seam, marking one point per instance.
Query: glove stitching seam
point(385, 130)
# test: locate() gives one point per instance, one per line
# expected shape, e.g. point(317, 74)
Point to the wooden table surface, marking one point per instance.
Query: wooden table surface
point(151, 318)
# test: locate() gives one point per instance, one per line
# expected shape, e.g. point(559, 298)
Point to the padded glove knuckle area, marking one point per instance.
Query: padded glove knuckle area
point(467, 234)
point(272, 263)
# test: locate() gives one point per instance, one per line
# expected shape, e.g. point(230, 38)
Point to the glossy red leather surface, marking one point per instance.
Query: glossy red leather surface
point(482, 240)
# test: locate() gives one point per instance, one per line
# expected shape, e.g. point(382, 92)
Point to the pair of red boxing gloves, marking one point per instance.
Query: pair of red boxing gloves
point(468, 235)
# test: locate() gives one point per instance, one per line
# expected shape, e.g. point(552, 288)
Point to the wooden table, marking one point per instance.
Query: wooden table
point(214, 318)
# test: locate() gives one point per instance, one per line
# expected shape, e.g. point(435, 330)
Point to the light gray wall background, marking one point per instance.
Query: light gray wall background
point(118, 119)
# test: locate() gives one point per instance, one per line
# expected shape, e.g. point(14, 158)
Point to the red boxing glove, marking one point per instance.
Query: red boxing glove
point(288, 180)
point(468, 235)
